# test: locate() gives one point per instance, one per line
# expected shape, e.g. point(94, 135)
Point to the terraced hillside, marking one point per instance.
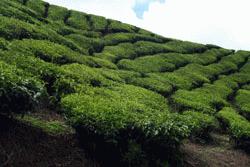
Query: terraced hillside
point(129, 95)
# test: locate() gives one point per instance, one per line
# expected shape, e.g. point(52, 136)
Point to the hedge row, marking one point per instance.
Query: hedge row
point(238, 127)
point(242, 100)
point(211, 97)
point(19, 91)
point(143, 48)
point(18, 11)
point(11, 28)
point(171, 61)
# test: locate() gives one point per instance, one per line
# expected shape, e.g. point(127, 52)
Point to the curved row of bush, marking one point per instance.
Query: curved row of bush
point(19, 92)
point(242, 100)
point(171, 61)
point(237, 125)
point(211, 97)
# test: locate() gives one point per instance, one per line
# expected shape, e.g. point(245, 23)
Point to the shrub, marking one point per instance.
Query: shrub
point(11, 9)
point(38, 6)
point(188, 100)
point(57, 13)
point(146, 65)
point(3, 44)
point(55, 53)
point(85, 75)
point(143, 48)
point(177, 80)
point(124, 103)
point(153, 84)
point(19, 92)
point(94, 44)
point(15, 29)
point(198, 123)
point(118, 75)
point(78, 20)
point(185, 47)
point(47, 51)
point(116, 38)
point(56, 81)
point(243, 102)
point(116, 26)
point(238, 127)
point(121, 114)
point(246, 87)
point(98, 23)
point(121, 51)
point(237, 58)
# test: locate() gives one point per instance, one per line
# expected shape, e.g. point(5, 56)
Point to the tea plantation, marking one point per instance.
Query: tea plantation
point(132, 94)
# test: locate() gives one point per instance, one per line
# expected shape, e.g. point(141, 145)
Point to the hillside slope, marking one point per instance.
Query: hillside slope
point(129, 95)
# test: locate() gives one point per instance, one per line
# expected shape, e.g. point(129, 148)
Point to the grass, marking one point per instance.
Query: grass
point(50, 127)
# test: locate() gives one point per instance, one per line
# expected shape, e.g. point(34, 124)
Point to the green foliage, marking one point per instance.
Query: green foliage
point(144, 65)
point(243, 102)
point(57, 13)
point(85, 75)
point(19, 92)
point(170, 61)
point(51, 127)
point(153, 84)
point(3, 44)
point(108, 112)
point(18, 11)
point(126, 86)
point(116, 26)
point(90, 44)
point(116, 53)
point(116, 38)
point(98, 23)
point(38, 6)
point(199, 124)
point(15, 29)
point(78, 20)
point(238, 126)
point(47, 51)
point(246, 87)
point(185, 47)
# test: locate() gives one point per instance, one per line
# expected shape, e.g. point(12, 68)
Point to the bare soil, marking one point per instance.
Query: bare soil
point(219, 153)
point(24, 146)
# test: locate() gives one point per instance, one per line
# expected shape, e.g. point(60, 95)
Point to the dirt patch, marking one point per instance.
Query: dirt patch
point(22, 145)
point(220, 153)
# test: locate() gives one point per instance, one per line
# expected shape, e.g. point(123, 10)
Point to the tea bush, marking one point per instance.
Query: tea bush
point(120, 113)
point(90, 44)
point(243, 102)
point(238, 127)
point(15, 29)
point(116, 26)
point(57, 13)
point(199, 124)
point(153, 84)
point(19, 91)
point(10, 9)
point(38, 6)
point(3, 44)
point(117, 84)
point(186, 47)
point(98, 23)
point(78, 20)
